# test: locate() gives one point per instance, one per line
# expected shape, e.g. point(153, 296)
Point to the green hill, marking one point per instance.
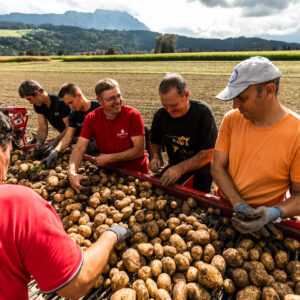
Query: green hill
point(17, 38)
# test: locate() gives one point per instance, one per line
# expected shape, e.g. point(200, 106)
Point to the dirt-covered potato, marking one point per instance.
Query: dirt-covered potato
point(254, 254)
point(169, 250)
point(208, 253)
point(281, 259)
point(244, 253)
point(192, 274)
point(119, 280)
point(152, 287)
point(201, 237)
point(178, 277)
point(132, 260)
point(180, 291)
point(246, 244)
point(268, 261)
point(124, 294)
point(85, 230)
point(164, 282)
point(182, 262)
point(258, 277)
point(144, 273)
point(233, 258)
point(178, 242)
point(156, 267)
point(219, 262)
point(269, 293)
point(142, 292)
point(169, 265)
point(249, 292)
point(145, 249)
point(281, 289)
point(291, 244)
point(165, 234)
point(240, 277)
point(209, 276)
point(158, 251)
point(229, 286)
point(196, 291)
point(162, 294)
point(197, 252)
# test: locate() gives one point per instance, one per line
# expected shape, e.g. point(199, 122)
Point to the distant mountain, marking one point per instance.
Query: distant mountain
point(289, 38)
point(101, 19)
point(51, 39)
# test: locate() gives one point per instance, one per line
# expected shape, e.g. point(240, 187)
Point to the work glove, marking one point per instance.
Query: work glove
point(244, 208)
point(36, 150)
point(51, 158)
point(265, 215)
point(121, 232)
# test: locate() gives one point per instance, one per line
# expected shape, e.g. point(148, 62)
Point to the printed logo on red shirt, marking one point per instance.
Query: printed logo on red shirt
point(122, 134)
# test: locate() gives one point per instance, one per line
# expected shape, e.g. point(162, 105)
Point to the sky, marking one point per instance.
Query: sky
point(194, 18)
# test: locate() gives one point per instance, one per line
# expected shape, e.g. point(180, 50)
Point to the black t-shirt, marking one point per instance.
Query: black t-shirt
point(187, 135)
point(76, 118)
point(55, 114)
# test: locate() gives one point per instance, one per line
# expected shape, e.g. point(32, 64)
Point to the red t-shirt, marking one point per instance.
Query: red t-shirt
point(113, 136)
point(33, 243)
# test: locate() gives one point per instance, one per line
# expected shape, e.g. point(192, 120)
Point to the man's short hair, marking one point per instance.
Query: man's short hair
point(105, 85)
point(68, 89)
point(260, 86)
point(170, 81)
point(28, 87)
point(7, 133)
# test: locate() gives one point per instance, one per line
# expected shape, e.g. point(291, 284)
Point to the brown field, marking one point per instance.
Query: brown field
point(139, 82)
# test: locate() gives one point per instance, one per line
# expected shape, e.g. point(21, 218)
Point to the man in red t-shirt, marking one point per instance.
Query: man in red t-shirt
point(33, 241)
point(119, 133)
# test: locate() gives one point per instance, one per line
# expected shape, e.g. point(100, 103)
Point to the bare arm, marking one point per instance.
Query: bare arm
point(156, 160)
point(66, 140)
point(43, 128)
point(196, 162)
point(222, 178)
point(291, 206)
point(66, 121)
point(75, 161)
point(95, 259)
point(136, 151)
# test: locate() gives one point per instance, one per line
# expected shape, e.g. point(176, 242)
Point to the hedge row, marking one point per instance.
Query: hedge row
point(4, 59)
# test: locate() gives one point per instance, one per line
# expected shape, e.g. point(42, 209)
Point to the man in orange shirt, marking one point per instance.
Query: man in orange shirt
point(257, 154)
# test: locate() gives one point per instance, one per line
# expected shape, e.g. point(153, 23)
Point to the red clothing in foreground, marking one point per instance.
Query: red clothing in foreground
point(113, 136)
point(33, 242)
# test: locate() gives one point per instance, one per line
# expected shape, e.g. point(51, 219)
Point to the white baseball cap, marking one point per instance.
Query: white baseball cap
point(256, 69)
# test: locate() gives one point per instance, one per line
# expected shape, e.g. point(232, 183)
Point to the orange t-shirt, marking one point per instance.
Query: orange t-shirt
point(262, 161)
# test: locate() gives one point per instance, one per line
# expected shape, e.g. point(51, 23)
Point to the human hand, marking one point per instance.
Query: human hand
point(75, 181)
point(266, 216)
point(155, 165)
point(52, 157)
point(270, 229)
point(102, 160)
point(121, 232)
point(171, 175)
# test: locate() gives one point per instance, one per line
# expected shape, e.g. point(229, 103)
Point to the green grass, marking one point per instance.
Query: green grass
point(211, 56)
point(16, 33)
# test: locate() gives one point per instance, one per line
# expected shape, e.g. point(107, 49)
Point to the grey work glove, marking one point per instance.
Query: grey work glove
point(263, 216)
point(248, 211)
point(121, 232)
point(51, 158)
point(270, 229)
point(36, 150)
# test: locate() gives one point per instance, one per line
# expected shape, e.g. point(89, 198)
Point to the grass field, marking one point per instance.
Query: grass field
point(16, 33)
point(139, 81)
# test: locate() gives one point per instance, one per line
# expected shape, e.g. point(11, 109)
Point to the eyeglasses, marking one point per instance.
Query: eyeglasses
point(113, 98)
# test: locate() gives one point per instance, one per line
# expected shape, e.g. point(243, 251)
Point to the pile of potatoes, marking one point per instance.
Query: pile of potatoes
point(178, 251)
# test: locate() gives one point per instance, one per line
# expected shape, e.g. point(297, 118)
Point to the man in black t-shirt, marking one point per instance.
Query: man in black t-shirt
point(188, 130)
point(48, 108)
point(80, 106)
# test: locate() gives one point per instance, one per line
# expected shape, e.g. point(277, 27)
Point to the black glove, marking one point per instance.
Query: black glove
point(92, 147)
point(51, 158)
point(121, 232)
point(36, 150)
point(265, 215)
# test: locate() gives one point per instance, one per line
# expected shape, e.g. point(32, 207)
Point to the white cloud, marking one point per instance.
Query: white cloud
point(198, 18)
